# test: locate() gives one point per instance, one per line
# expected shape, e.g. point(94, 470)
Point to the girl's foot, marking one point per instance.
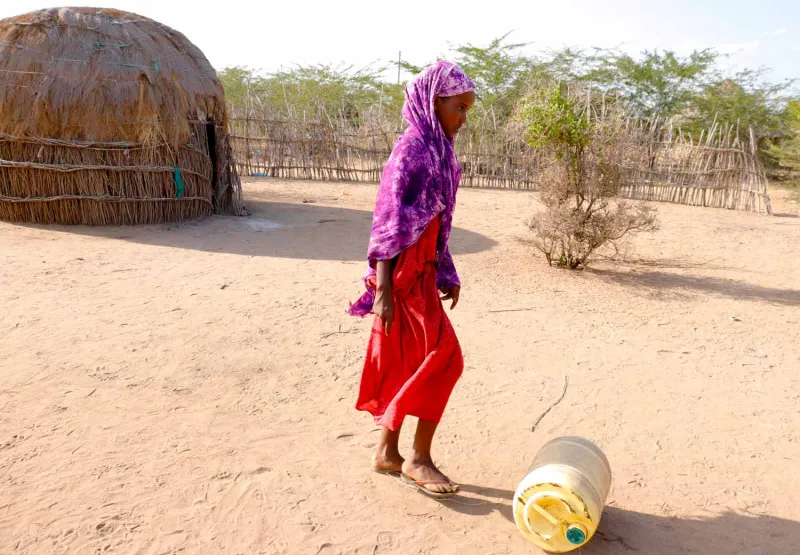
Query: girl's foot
point(387, 457)
point(425, 474)
point(384, 460)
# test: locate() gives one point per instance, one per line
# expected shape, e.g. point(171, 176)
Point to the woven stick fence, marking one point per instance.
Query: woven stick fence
point(719, 169)
point(114, 183)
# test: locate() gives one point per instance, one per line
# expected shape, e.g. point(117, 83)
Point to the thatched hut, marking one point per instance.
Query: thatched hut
point(108, 117)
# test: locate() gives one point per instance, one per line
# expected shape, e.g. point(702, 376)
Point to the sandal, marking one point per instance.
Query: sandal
point(419, 485)
point(386, 471)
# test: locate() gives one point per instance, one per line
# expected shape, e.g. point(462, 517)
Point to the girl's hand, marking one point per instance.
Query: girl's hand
point(383, 308)
point(451, 294)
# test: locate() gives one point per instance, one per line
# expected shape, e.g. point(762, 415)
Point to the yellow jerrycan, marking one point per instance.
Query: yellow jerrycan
point(558, 505)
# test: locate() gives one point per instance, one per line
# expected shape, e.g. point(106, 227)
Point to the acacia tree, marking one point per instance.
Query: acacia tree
point(316, 90)
point(497, 70)
point(785, 151)
point(745, 100)
point(660, 83)
point(654, 84)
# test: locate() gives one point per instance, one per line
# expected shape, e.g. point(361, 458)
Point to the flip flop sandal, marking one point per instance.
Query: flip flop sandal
point(386, 472)
point(419, 485)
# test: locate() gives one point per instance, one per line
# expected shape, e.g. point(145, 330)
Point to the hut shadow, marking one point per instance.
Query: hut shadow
point(624, 531)
point(273, 229)
point(663, 282)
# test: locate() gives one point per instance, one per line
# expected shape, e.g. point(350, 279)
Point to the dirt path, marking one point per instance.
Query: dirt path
point(189, 388)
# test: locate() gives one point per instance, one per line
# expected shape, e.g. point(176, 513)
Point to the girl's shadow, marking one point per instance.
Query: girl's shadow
point(482, 501)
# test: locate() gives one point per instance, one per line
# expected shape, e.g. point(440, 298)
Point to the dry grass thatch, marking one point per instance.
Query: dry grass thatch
point(108, 117)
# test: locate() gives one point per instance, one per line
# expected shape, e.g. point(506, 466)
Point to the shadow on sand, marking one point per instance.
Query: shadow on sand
point(623, 531)
point(274, 229)
point(664, 282)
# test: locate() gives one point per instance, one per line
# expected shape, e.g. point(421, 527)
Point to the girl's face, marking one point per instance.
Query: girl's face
point(452, 111)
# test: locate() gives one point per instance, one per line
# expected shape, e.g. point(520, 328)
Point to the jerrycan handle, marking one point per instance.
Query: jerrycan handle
point(546, 515)
point(533, 509)
point(575, 533)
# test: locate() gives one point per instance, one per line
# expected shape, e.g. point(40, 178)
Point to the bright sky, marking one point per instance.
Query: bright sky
point(267, 35)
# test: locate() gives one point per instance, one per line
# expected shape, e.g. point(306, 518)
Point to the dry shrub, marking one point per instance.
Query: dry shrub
point(582, 146)
point(579, 220)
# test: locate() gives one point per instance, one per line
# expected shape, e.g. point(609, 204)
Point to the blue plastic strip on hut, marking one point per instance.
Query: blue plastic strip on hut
point(99, 44)
point(87, 62)
point(179, 186)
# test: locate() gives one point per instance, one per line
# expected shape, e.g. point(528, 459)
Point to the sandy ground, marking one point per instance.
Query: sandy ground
point(190, 388)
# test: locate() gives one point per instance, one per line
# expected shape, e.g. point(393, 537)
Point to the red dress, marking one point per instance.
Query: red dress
point(413, 370)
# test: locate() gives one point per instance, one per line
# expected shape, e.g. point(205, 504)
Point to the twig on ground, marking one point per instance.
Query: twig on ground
point(755, 353)
point(563, 394)
point(349, 331)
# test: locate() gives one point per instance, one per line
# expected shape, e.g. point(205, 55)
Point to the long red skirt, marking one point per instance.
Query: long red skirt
point(413, 370)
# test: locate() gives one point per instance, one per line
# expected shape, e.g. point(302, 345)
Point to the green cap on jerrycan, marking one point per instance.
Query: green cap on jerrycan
point(576, 534)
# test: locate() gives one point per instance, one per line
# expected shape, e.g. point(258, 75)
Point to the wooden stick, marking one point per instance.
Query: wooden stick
point(548, 409)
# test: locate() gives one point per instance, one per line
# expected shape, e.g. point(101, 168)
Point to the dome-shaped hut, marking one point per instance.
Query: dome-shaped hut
point(108, 117)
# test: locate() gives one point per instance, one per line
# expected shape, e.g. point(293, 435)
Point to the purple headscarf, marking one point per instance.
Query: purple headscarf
point(419, 181)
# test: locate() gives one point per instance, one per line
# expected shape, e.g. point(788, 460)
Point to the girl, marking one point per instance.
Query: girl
point(413, 357)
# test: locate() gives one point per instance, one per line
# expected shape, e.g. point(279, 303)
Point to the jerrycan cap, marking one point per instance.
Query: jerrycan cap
point(576, 534)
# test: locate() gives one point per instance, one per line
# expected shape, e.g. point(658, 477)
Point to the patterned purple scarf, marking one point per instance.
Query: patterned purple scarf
point(419, 181)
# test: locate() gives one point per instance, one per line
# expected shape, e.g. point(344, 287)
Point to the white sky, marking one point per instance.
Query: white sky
point(267, 35)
